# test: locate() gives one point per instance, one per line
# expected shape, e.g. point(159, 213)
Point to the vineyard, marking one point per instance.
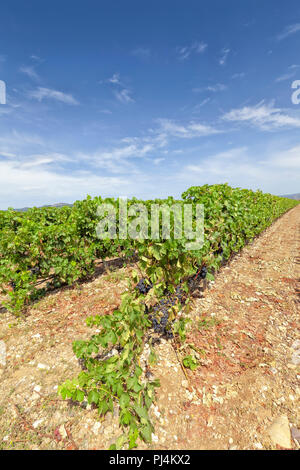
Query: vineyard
point(45, 249)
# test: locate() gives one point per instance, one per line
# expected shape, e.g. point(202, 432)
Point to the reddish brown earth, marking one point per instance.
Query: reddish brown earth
point(245, 329)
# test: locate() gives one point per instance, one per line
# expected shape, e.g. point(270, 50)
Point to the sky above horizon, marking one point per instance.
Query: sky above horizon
point(146, 99)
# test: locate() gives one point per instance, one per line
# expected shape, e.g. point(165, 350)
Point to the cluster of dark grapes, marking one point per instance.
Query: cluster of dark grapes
point(203, 272)
point(35, 270)
point(219, 251)
point(193, 282)
point(101, 357)
point(82, 363)
point(144, 286)
point(160, 317)
point(159, 325)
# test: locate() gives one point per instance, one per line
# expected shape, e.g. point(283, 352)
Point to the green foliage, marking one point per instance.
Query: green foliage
point(179, 327)
point(190, 362)
point(118, 378)
point(60, 245)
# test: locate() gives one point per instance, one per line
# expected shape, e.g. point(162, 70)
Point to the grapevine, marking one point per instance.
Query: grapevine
point(60, 245)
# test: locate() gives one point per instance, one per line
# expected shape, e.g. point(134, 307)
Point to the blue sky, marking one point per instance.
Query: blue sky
point(145, 99)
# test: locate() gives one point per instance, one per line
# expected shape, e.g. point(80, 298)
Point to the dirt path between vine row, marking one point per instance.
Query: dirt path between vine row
point(245, 329)
point(245, 394)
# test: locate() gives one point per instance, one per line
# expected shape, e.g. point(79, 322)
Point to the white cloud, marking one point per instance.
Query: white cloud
point(26, 151)
point(46, 93)
point(142, 52)
point(278, 173)
point(5, 110)
point(28, 70)
point(198, 106)
point(120, 91)
point(120, 159)
point(157, 161)
point(18, 141)
point(115, 79)
point(217, 87)
point(288, 75)
point(289, 159)
point(36, 58)
point(188, 131)
point(43, 176)
point(203, 103)
point(7, 154)
point(285, 76)
point(238, 75)
point(21, 186)
point(263, 116)
point(124, 96)
point(105, 111)
point(288, 31)
point(198, 47)
point(215, 163)
point(44, 159)
point(224, 55)
point(212, 88)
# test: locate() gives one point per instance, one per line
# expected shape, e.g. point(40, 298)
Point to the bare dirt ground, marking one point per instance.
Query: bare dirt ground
point(245, 328)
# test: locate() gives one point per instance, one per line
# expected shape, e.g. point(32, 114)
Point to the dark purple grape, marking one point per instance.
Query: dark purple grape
point(144, 286)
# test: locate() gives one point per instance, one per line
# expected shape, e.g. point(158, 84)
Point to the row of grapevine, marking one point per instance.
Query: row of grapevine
point(61, 246)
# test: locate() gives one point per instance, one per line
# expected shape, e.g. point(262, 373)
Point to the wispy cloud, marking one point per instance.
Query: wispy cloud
point(263, 116)
point(198, 106)
point(124, 96)
point(24, 148)
point(157, 161)
point(288, 31)
point(7, 154)
point(47, 93)
point(198, 47)
point(30, 72)
point(119, 160)
point(293, 70)
point(39, 185)
point(285, 76)
point(223, 158)
point(187, 131)
point(121, 92)
point(36, 58)
point(105, 111)
point(212, 88)
point(44, 159)
point(203, 103)
point(115, 79)
point(240, 167)
point(18, 140)
point(142, 52)
point(238, 75)
point(289, 159)
point(224, 55)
